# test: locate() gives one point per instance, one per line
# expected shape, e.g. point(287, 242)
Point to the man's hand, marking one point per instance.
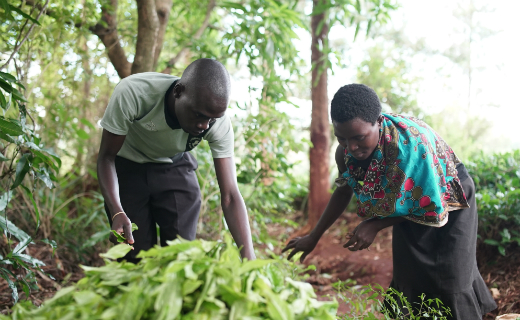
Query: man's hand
point(122, 225)
point(363, 236)
point(304, 244)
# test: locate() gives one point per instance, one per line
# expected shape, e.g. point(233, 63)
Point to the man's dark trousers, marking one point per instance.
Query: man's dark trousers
point(166, 194)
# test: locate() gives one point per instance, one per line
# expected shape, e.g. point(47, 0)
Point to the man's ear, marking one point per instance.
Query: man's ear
point(178, 89)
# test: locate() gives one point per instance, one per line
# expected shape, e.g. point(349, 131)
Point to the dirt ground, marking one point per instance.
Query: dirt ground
point(332, 261)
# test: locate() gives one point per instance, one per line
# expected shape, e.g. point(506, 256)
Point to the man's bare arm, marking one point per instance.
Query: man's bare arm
point(233, 206)
point(107, 177)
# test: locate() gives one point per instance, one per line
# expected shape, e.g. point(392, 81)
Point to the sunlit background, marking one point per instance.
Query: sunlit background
point(459, 56)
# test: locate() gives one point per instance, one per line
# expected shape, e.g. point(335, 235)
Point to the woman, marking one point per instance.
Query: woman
point(404, 175)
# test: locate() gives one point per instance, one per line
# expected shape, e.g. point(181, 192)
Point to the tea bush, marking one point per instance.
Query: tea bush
point(373, 303)
point(497, 180)
point(187, 279)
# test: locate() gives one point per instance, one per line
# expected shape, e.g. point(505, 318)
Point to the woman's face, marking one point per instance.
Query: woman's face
point(359, 137)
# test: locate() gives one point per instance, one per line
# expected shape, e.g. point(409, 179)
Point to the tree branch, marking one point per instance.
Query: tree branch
point(106, 30)
point(147, 31)
point(163, 8)
point(17, 48)
point(196, 36)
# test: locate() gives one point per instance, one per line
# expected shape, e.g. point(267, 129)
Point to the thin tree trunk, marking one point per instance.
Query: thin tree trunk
point(163, 7)
point(320, 133)
point(147, 32)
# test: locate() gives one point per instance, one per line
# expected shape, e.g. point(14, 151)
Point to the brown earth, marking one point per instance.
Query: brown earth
point(365, 267)
point(374, 267)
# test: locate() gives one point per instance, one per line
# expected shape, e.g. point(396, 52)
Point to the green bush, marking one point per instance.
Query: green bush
point(25, 166)
point(188, 280)
point(372, 303)
point(497, 180)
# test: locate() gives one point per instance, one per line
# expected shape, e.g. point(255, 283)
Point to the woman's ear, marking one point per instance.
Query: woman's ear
point(379, 121)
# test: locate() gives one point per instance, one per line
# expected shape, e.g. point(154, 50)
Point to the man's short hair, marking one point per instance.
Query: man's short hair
point(355, 101)
point(207, 73)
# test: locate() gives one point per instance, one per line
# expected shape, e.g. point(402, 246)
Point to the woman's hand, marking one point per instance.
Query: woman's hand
point(363, 236)
point(304, 244)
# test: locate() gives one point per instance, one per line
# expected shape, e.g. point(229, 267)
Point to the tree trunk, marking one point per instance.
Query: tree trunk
point(320, 133)
point(163, 7)
point(147, 32)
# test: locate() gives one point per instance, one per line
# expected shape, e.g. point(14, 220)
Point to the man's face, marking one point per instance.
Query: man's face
point(359, 137)
point(197, 108)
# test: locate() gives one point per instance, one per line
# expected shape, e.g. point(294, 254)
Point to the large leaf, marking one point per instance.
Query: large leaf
point(4, 199)
point(22, 245)
point(3, 102)
point(6, 137)
point(8, 226)
point(7, 76)
point(10, 127)
point(22, 168)
point(6, 86)
point(117, 251)
point(25, 15)
point(12, 286)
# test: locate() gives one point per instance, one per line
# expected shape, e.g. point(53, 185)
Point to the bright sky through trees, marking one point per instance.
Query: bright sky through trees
point(443, 84)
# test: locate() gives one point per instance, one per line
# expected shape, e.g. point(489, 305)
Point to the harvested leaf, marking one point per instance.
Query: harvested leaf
point(184, 280)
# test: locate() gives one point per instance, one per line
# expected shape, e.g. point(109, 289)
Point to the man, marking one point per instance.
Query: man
point(145, 171)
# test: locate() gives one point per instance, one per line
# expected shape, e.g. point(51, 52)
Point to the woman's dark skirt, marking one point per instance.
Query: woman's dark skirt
point(441, 262)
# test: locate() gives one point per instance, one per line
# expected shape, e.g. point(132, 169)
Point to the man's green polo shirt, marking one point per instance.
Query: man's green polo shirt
point(137, 109)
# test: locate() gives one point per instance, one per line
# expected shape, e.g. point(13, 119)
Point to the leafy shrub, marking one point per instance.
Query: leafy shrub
point(21, 155)
point(370, 303)
point(189, 279)
point(497, 179)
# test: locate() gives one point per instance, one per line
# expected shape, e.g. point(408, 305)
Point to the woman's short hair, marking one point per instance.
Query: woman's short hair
point(355, 101)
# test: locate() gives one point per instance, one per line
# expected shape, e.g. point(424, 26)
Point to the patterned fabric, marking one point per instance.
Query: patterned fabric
point(411, 174)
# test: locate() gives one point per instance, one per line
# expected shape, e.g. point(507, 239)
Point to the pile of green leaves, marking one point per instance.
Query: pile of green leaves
point(497, 180)
point(187, 279)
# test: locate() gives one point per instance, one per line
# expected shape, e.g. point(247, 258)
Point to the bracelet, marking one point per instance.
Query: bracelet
point(117, 214)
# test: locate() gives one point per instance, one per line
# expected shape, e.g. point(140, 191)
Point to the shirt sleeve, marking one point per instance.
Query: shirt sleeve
point(221, 139)
point(121, 111)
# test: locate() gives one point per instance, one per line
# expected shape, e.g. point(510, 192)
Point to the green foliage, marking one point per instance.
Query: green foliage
point(27, 157)
point(497, 179)
point(370, 303)
point(192, 280)
point(387, 72)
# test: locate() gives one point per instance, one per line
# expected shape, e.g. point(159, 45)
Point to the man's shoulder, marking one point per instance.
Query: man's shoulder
point(223, 123)
point(150, 76)
point(146, 83)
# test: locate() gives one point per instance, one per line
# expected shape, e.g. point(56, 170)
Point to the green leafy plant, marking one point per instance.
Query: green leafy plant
point(497, 179)
point(187, 279)
point(22, 155)
point(370, 303)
